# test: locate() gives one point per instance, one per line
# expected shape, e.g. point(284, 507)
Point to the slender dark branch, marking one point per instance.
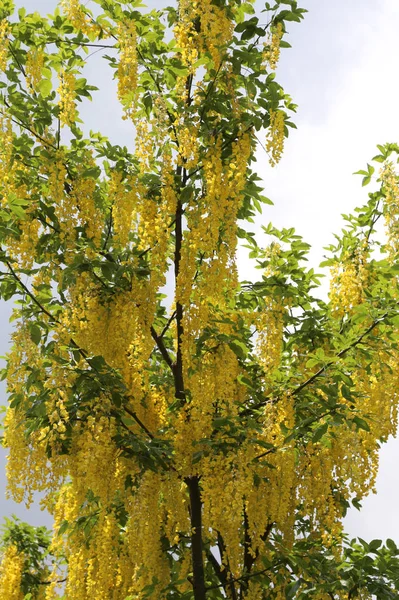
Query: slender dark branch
point(50, 582)
point(270, 451)
point(322, 369)
point(202, 256)
point(249, 559)
point(246, 577)
point(52, 318)
point(373, 222)
point(21, 68)
point(209, 90)
point(165, 329)
point(156, 82)
point(108, 256)
point(220, 573)
point(223, 553)
point(28, 292)
point(178, 367)
point(139, 422)
point(341, 354)
point(196, 538)
point(134, 416)
point(100, 280)
point(108, 231)
point(58, 133)
point(189, 83)
point(88, 45)
point(162, 348)
point(147, 250)
point(24, 126)
point(47, 224)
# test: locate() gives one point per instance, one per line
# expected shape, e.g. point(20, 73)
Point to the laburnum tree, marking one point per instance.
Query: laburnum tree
point(202, 443)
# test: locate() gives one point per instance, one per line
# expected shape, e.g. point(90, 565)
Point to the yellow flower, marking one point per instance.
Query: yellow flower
point(66, 90)
point(4, 33)
point(127, 67)
point(11, 574)
point(275, 137)
point(34, 67)
point(271, 53)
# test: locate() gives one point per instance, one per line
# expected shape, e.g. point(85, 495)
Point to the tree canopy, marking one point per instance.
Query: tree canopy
point(207, 442)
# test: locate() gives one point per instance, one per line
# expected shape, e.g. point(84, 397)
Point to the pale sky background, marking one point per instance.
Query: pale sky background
point(342, 72)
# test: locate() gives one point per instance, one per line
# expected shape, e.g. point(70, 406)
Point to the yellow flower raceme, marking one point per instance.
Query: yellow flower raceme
point(348, 282)
point(4, 33)
point(128, 67)
point(216, 30)
point(271, 53)
point(186, 33)
point(67, 104)
point(11, 574)
point(390, 183)
point(203, 28)
point(124, 200)
point(34, 68)
point(79, 19)
point(7, 184)
point(275, 137)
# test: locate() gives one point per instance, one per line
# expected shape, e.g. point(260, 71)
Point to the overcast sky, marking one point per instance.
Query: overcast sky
point(342, 72)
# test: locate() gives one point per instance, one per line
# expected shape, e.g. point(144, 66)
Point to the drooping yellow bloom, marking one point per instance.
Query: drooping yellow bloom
point(128, 67)
point(79, 19)
point(390, 183)
point(34, 67)
point(203, 28)
point(275, 137)
point(67, 102)
point(4, 33)
point(271, 53)
point(11, 574)
point(186, 33)
point(216, 30)
point(123, 197)
point(6, 152)
point(349, 279)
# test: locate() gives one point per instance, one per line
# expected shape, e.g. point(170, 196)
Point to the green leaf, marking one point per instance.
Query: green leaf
point(196, 457)
point(45, 87)
point(97, 363)
point(374, 545)
point(35, 333)
point(361, 423)
point(319, 433)
point(239, 348)
point(391, 545)
point(63, 527)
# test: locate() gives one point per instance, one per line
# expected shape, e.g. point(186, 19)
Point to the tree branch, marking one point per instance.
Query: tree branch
point(165, 329)
point(139, 422)
point(162, 348)
point(220, 574)
point(248, 411)
point(223, 552)
point(196, 538)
